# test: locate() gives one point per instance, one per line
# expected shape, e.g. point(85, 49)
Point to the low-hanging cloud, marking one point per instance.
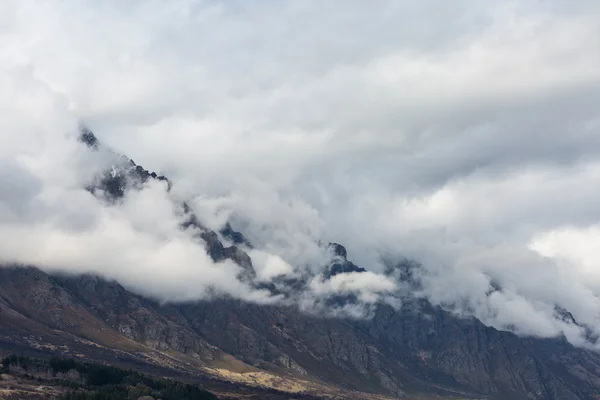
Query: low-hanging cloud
point(465, 137)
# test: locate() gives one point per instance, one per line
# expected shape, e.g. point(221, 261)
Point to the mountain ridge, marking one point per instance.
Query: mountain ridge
point(416, 350)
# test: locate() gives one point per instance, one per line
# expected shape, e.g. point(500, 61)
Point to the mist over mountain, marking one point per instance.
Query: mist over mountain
point(483, 178)
point(335, 158)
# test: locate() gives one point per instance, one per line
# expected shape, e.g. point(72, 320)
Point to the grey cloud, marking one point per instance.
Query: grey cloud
point(19, 188)
point(463, 136)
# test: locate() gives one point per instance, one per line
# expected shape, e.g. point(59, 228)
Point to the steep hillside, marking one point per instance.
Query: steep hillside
point(418, 349)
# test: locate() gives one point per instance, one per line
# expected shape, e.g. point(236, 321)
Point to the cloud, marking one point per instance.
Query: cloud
point(49, 219)
point(464, 137)
point(366, 284)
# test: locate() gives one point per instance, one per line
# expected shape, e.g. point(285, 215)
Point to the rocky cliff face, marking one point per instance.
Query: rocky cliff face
point(134, 317)
point(415, 350)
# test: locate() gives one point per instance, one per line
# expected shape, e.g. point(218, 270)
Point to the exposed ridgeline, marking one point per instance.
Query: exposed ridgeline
point(125, 175)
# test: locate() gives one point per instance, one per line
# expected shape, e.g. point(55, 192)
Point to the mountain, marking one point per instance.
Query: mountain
point(415, 351)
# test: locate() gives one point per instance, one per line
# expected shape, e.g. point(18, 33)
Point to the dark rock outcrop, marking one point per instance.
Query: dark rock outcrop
point(340, 263)
point(125, 174)
point(236, 237)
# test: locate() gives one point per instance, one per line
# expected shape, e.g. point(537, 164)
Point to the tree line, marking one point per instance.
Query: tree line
point(103, 382)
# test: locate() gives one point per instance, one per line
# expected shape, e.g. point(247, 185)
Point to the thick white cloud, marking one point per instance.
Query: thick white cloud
point(465, 136)
point(367, 284)
point(48, 219)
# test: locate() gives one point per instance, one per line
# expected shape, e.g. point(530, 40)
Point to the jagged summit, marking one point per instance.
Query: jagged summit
point(340, 263)
point(338, 250)
point(125, 175)
point(88, 137)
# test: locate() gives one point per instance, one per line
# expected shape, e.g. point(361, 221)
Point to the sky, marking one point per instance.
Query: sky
point(462, 135)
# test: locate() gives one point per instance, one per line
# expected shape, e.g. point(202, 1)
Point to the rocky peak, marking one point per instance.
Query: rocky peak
point(86, 136)
point(236, 237)
point(125, 172)
point(127, 175)
point(340, 263)
point(338, 250)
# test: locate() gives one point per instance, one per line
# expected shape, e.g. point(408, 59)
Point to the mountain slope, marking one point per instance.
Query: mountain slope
point(418, 349)
point(92, 323)
point(415, 351)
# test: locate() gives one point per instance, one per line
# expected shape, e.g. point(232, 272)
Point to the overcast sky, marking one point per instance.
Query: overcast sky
point(464, 135)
